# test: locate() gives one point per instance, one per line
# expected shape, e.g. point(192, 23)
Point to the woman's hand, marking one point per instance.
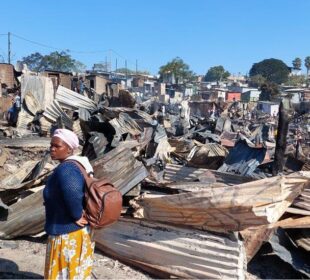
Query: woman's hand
point(82, 221)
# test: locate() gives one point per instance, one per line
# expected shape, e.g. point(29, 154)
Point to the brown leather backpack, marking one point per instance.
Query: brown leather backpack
point(103, 202)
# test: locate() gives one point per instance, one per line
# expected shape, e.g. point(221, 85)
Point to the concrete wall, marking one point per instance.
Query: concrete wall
point(7, 74)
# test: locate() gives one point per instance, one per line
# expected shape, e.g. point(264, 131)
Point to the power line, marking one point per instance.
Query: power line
point(69, 50)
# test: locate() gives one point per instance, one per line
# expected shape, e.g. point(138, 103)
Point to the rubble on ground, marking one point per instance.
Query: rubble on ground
point(199, 196)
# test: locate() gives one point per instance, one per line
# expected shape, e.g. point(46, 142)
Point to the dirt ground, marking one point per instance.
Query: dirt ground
point(24, 259)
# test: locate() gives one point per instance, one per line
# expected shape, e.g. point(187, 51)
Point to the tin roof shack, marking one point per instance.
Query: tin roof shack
point(251, 95)
point(144, 83)
point(268, 107)
point(160, 89)
point(97, 82)
point(7, 75)
point(233, 96)
point(59, 78)
point(295, 94)
point(202, 108)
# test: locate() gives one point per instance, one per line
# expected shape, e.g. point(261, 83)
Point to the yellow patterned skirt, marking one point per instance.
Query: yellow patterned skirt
point(69, 256)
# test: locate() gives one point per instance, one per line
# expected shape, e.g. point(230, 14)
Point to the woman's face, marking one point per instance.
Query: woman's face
point(59, 150)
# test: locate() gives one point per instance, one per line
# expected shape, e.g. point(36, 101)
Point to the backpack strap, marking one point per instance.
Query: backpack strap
point(82, 169)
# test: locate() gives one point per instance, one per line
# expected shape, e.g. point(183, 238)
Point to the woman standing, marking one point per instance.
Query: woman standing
point(69, 252)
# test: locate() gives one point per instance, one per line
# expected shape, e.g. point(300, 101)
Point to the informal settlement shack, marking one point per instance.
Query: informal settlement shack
point(196, 175)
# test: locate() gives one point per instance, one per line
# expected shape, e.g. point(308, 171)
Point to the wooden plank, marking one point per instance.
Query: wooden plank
point(293, 222)
point(254, 238)
point(175, 251)
point(225, 209)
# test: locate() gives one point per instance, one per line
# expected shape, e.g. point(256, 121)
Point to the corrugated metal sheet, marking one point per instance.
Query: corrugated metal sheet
point(31, 142)
point(177, 173)
point(24, 119)
point(41, 89)
point(125, 124)
point(121, 167)
point(243, 159)
point(173, 251)
point(73, 100)
point(231, 208)
point(54, 111)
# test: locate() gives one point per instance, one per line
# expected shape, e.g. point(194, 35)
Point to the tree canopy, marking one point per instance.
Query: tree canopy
point(269, 91)
point(296, 63)
point(274, 70)
point(57, 61)
point(179, 69)
point(257, 81)
point(129, 71)
point(307, 64)
point(216, 73)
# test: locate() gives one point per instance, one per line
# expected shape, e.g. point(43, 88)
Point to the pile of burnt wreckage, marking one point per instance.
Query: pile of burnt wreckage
point(201, 195)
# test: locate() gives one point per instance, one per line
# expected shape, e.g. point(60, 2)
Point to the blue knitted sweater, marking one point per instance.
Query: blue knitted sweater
point(63, 197)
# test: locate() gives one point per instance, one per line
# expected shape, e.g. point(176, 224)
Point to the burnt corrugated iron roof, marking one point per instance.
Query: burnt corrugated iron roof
point(243, 159)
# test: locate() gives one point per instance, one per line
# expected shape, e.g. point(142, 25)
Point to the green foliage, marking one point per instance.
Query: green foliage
point(179, 69)
point(100, 67)
point(257, 81)
point(296, 63)
point(129, 71)
point(57, 61)
point(216, 73)
point(34, 61)
point(274, 70)
point(307, 64)
point(269, 91)
point(296, 81)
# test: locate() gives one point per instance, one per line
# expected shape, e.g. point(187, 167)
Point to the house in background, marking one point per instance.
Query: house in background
point(251, 95)
point(97, 82)
point(296, 94)
point(59, 78)
point(268, 107)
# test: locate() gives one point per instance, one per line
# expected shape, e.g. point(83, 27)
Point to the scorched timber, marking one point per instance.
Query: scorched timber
point(232, 208)
point(172, 251)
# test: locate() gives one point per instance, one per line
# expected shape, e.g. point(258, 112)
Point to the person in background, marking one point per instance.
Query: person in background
point(69, 252)
point(81, 86)
point(15, 109)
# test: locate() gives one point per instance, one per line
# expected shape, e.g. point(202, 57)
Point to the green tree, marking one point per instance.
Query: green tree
point(129, 71)
point(269, 91)
point(307, 64)
point(274, 70)
point(216, 73)
point(179, 69)
point(296, 81)
point(100, 67)
point(35, 62)
point(57, 61)
point(257, 81)
point(296, 63)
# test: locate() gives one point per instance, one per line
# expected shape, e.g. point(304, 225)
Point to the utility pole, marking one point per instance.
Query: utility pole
point(9, 47)
point(126, 71)
point(115, 64)
point(136, 66)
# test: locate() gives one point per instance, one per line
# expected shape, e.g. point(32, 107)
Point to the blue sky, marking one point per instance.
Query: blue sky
point(204, 33)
